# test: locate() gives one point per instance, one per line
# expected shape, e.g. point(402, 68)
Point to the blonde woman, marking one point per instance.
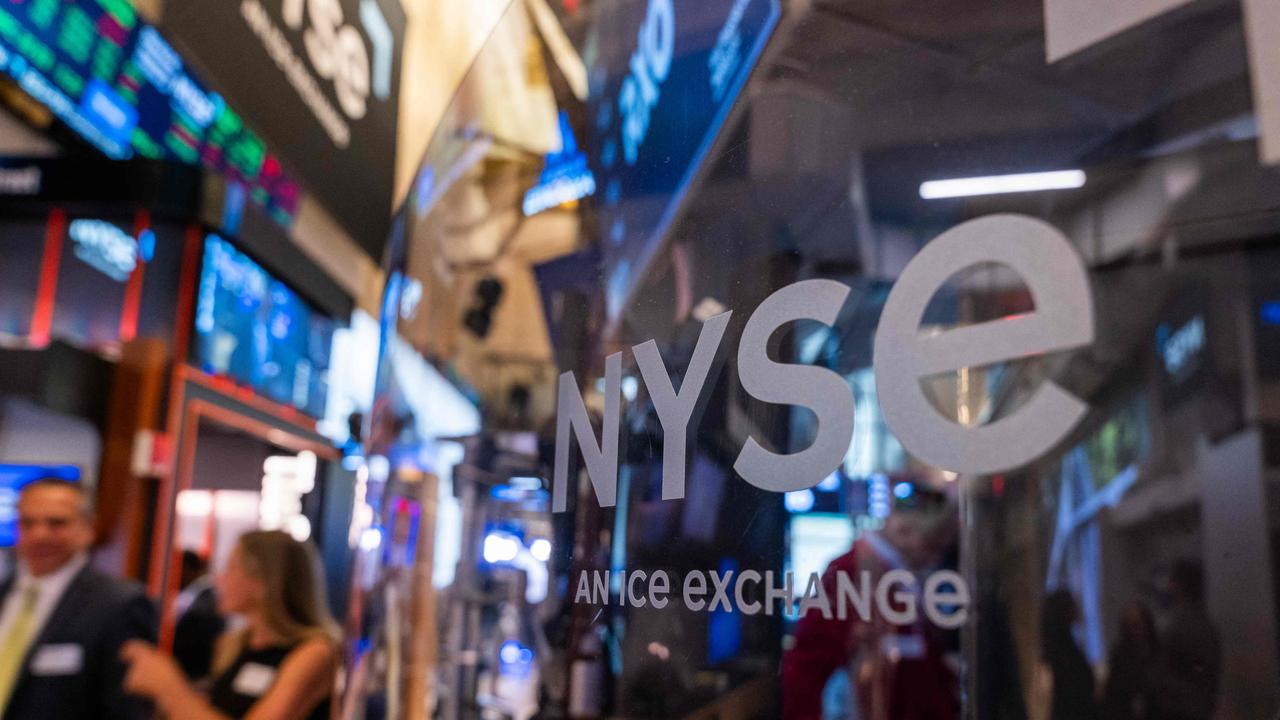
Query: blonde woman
point(280, 666)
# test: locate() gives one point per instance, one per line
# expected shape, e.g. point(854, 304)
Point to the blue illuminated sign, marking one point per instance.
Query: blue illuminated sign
point(109, 113)
point(1180, 348)
point(108, 249)
point(565, 176)
point(662, 82)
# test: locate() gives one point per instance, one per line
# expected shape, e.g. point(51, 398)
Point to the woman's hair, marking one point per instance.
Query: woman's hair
point(294, 604)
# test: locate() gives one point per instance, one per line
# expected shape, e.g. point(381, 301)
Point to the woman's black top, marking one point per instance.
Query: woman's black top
point(249, 678)
point(1073, 684)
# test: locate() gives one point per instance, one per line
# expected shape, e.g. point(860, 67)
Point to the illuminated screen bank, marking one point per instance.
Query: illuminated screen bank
point(115, 81)
point(254, 329)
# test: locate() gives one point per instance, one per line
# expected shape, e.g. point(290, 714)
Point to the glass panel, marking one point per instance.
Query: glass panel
point(929, 378)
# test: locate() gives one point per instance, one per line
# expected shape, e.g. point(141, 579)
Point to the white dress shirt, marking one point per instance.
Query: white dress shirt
point(50, 588)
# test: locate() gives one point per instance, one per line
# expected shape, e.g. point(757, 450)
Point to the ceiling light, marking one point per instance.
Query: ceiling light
point(1000, 184)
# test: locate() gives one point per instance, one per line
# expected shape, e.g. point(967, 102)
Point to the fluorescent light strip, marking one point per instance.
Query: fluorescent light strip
point(1000, 184)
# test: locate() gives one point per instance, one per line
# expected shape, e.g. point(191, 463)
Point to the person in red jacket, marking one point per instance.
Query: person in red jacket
point(898, 672)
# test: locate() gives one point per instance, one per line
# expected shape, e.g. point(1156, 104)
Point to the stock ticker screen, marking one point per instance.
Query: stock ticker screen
point(116, 82)
point(254, 329)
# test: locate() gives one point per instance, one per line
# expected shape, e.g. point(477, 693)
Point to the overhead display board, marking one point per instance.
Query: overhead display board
point(320, 79)
point(663, 77)
point(256, 330)
point(115, 81)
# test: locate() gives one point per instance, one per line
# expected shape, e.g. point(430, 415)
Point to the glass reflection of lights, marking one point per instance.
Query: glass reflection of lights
point(526, 483)
point(799, 501)
point(515, 658)
point(541, 549)
point(507, 493)
point(500, 548)
point(370, 539)
point(1001, 184)
point(1270, 312)
point(902, 491)
point(878, 495)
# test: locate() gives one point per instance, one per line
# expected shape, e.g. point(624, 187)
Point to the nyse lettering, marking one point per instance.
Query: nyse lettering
point(336, 50)
point(1041, 256)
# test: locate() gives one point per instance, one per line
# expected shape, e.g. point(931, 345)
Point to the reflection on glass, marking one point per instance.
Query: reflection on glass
point(1124, 567)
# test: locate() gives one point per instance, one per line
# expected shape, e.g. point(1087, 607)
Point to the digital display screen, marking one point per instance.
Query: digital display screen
point(12, 479)
point(114, 80)
point(816, 540)
point(252, 328)
point(655, 109)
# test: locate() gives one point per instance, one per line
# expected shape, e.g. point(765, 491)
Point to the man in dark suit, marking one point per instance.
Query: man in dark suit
point(61, 622)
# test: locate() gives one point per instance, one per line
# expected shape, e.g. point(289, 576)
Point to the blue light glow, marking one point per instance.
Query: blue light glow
point(1270, 312)
point(799, 501)
point(500, 547)
point(540, 549)
point(565, 176)
point(878, 495)
point(147, 245)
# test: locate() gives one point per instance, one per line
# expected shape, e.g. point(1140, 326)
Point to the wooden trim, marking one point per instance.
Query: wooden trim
point(249, 398)
point(166, 564)
point(162, 551)
point(182, 321)
point(264, 431)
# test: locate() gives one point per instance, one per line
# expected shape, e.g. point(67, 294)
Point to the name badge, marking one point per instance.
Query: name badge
point(254, 679)
point(61, 659)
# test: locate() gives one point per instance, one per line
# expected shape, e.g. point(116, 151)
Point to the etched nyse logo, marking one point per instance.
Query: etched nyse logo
point(1064, 319)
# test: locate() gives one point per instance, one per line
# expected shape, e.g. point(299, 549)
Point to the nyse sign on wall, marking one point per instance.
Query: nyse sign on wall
point(320, 80)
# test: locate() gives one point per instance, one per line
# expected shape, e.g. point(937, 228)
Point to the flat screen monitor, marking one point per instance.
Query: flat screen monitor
point(12, 479)
point(254, 329)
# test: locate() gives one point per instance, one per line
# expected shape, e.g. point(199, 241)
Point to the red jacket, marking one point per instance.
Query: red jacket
point(917, 684)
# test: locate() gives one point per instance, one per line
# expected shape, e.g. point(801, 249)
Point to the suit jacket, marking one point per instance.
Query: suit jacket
point(72, 670)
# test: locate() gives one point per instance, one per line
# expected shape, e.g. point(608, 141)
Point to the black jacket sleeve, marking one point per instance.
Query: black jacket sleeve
point(133, 619)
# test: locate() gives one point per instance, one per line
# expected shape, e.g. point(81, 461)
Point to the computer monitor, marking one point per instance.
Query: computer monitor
point(816, 540)
point(12, 479)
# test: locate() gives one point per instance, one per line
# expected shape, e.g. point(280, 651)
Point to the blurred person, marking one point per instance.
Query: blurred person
point(199, 623)
point(1066, 676)
point(896, 672)
point(280, 666)
point(1188, 664)
point(1127, 693)
point(62, 623)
